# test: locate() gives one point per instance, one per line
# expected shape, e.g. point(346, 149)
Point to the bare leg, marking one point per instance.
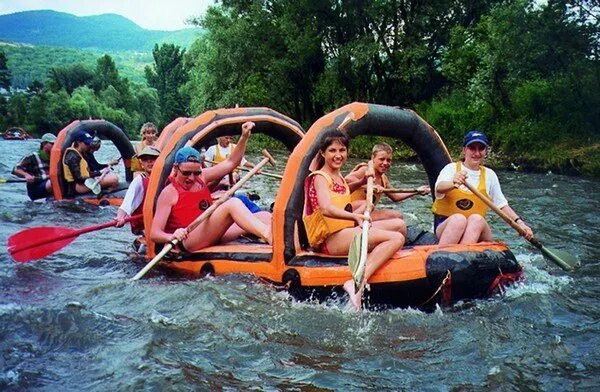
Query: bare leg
point(236, 231)
point(212, 229)
point(452, 229)
point(392, 224)
point(109, 181)
point(386, 213)
point(384, 244)
point(477, 230)
point(80, 188)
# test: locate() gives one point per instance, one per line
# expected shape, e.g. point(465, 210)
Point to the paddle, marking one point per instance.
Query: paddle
point(358, 260)
point(267, 158)
point(561, 258)
point(404, 190)
point(246, 169)
point(94, 184)
point(9, 180)
point(37, 242)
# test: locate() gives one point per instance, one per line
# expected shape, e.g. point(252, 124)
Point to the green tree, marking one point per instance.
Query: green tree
point(69, 77)
point(528, 74)
point(4, 72)
point(168, 75)
point(17, 110)
point(106, 74)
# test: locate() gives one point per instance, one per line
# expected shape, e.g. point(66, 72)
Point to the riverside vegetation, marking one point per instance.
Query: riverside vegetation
point(525, 72)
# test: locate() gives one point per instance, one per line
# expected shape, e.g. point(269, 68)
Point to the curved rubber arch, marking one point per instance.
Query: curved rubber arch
point(368, 119)
point(201, 132)
point(101, 128)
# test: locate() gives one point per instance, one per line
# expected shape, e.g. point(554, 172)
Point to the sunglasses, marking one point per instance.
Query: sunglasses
point(187, 173)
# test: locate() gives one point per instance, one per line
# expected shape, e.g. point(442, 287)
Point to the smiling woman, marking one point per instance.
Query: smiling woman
point(459, 214)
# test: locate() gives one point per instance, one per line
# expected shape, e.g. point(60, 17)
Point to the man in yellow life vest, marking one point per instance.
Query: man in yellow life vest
point(459, 215)
point(220, 152)
point(76, 169)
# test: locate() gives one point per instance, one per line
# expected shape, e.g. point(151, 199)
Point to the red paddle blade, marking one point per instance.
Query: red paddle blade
point(38, 242)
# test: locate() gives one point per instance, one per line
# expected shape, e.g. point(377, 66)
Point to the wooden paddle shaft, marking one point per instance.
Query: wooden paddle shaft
point(497, 210)
point(552, 255)
point(246, 169)
point(9, 180)
point(364, 244)
point(206, 214)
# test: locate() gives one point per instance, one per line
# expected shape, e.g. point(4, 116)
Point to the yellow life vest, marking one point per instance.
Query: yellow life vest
point(221, 157)
point(458, 201)
point(318, 226)
point(83, 166)
point(361, 193)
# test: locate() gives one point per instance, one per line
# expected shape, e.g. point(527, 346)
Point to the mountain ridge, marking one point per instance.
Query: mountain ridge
point(104, 31)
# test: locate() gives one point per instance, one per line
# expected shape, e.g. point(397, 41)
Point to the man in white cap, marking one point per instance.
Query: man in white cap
point(133, 202)
point(35, 169)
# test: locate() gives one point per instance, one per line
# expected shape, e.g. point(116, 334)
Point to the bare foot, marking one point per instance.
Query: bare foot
point(267, 235)
point(355, 298)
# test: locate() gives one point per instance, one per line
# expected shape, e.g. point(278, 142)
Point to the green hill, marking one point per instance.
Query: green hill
point(28, 62)
point(107, 32)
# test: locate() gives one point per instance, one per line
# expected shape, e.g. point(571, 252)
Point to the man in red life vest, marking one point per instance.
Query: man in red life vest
point(188, 196)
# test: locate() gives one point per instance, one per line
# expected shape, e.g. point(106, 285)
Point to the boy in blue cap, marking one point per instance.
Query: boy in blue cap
point(188, 196)
point(76, 169)
point(459, 215)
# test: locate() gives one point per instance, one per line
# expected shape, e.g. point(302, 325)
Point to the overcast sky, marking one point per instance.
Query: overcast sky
point(149, 14)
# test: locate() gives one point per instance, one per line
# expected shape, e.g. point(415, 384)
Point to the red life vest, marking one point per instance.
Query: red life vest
point(137, 226)
point(190, 205)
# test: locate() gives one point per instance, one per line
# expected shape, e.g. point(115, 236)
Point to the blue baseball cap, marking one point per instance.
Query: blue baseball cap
point(84, 136)
point(475, 136)
point(188, 154)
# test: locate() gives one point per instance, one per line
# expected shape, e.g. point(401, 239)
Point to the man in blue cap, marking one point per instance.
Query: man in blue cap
point(188, 196)
point(35, 169)
point(76, 169)
point(459, 215)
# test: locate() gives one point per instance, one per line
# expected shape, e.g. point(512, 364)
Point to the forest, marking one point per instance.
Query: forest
point(525, 72)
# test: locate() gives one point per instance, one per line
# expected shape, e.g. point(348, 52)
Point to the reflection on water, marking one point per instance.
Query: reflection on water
point(73, 320)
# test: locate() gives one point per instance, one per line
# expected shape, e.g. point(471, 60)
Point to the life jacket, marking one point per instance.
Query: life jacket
point(219, 157)
point(190, 205)
point(318, 226)
point(137, 226)
point(361, 193)
point(83, 166)
point(458, 201)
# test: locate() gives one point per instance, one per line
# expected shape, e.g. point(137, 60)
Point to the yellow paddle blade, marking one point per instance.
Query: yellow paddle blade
point(354, 254)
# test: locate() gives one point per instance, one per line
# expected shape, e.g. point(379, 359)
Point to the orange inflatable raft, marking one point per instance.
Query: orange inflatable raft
point(421, 275)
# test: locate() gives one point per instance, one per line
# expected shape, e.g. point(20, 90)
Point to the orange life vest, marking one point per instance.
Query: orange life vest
point(318, 226)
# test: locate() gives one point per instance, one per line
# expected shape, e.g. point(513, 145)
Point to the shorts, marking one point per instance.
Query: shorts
point(252, 206)
point(37, 190)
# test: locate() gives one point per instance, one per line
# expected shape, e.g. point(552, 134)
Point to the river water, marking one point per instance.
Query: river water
point(73, 321)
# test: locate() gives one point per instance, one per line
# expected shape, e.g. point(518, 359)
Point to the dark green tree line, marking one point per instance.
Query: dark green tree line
point(77, 92)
